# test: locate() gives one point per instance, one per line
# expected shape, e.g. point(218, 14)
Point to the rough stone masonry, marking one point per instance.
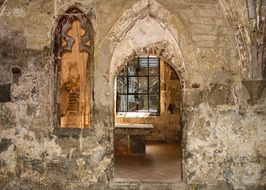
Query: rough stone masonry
point(207, 42)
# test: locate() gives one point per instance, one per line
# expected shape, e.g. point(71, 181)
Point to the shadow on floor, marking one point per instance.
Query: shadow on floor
point(162, 163)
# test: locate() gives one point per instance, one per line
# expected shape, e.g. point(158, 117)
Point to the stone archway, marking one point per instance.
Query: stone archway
point(142, 19)
point(165, 138)
point(164, 50)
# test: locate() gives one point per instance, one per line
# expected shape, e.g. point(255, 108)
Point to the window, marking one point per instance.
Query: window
point(138, 86)
point(74, 57)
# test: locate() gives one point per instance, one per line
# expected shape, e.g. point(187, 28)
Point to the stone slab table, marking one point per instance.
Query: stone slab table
point(130, 138)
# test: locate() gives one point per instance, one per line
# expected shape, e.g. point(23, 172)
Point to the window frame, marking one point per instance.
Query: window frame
point(147, 93)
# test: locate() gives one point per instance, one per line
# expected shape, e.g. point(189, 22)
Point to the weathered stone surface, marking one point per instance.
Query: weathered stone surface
point(147, 186)
point(5, 93)
point(219, 185)
point(206, 42)
point(4, 144)
point(7, 117)
point(137, 145)
point(255, 187)
point(220, 95)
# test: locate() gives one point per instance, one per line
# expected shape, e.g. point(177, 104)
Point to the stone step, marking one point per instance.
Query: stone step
point(120, 185)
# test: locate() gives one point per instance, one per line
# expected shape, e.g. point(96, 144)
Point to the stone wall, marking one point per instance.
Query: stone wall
point(223, 132)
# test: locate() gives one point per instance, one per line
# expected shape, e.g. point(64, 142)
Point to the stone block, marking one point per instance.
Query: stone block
point(5, 93)
point(121, 144)
point(137, 144)
point(129, 144)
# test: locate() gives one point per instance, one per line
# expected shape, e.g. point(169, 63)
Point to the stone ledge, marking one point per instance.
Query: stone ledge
point(141, 185)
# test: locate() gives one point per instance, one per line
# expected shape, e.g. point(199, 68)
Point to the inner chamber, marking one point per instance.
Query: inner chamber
point(148, 121)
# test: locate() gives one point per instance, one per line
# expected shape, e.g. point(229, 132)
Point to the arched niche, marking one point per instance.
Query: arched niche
point(73, 48)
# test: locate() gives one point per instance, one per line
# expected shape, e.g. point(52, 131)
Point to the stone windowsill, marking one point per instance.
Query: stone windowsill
point(136, 114)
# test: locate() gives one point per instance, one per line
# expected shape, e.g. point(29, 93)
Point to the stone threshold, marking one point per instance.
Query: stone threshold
point(131, 184)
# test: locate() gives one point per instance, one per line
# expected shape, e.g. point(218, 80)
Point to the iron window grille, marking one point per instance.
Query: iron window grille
point(138, 86)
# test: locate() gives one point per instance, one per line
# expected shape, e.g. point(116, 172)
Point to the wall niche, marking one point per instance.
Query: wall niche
point(74, 68)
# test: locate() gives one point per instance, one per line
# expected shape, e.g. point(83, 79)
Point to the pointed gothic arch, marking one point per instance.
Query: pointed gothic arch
point(163, 49)
point(178, 36)
point(149, 9)
point(73, 48)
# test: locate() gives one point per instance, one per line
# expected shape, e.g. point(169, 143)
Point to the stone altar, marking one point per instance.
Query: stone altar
point(130, 138)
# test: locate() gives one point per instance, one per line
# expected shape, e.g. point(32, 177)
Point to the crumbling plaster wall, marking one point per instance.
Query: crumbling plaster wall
point(32, 156)
point(237, 15)
point(223, 133)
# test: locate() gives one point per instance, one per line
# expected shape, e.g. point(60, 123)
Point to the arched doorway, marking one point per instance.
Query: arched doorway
point(147, 32)
point(147, 120)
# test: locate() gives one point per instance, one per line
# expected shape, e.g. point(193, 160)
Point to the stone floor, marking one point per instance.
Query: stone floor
point(162, 163)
